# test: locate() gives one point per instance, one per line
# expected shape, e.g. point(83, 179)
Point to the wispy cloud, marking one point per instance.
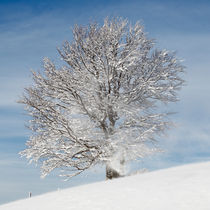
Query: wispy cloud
point(11, 89)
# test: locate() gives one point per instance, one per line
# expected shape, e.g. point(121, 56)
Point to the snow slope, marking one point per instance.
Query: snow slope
point(180, 188)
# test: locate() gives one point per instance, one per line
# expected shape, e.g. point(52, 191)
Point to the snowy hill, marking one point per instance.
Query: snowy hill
point(179, 188)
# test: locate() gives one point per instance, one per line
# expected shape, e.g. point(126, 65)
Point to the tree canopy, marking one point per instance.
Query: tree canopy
point(102, 104)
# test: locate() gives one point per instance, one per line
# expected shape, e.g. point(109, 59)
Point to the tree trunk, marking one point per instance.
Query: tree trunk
point(111, 173)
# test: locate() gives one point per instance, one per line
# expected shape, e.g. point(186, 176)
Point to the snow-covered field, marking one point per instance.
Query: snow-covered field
point(180, 188)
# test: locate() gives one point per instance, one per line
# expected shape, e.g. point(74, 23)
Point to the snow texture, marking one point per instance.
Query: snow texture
point(180, 188)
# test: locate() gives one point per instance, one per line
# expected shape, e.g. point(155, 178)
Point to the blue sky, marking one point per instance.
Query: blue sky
point(31, 30)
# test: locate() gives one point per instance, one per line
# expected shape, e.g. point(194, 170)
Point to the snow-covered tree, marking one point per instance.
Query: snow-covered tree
point(102, 105)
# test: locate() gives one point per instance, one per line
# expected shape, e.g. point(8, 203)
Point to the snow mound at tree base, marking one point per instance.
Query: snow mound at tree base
point(180, 188)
